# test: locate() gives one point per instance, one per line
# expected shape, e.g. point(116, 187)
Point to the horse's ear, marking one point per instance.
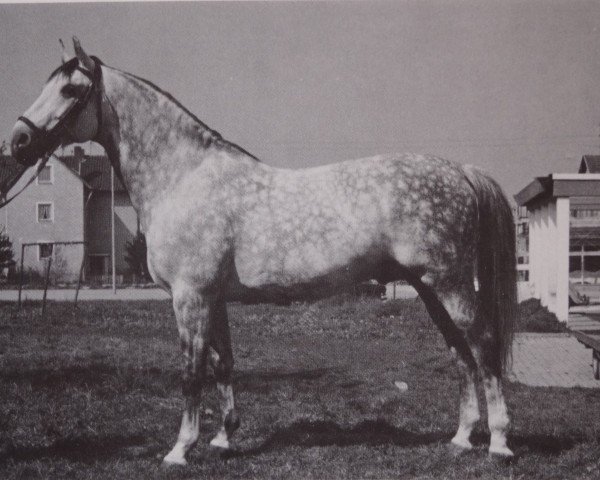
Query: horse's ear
point(83, 57)
point(65, 55)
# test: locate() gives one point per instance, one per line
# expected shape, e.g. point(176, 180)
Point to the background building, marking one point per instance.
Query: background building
point(522, 234)
point(564, 234)
point(70, 201)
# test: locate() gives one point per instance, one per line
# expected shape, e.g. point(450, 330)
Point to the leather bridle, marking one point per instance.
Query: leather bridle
point(51, 137)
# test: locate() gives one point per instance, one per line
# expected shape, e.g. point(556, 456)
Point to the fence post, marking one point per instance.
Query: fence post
point(46, 285)
point(21, 274)
point(80, 276)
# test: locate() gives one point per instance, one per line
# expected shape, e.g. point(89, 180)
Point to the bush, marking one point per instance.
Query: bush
point(532, 317)
point(31, 278)
point(7, 255)
point(137, 257)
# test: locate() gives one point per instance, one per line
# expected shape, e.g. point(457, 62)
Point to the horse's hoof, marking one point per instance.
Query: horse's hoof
point(221, 444)
point(171, 461)
point(457, 448)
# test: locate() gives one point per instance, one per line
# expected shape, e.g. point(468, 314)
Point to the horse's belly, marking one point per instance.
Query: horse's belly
point(257, 282)
point(288, 268)
point(315, 263)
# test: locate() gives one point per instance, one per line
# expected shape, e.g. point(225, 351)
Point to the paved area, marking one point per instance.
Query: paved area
point(400, 291)
point(87, 294)
point(552, 360)
point(584, 321)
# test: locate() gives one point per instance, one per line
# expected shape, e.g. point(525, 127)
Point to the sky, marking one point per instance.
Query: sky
point(510, 86)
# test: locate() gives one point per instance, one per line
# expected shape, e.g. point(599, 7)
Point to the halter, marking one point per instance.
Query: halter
point(52, 134)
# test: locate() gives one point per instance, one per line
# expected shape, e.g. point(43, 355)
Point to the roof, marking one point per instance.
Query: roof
point(556, 185)
point(9, 170)
point(590, 164)
point(539, 187)
point(94, 170)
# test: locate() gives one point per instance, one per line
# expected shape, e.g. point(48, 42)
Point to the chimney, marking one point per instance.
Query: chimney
point(78, 153)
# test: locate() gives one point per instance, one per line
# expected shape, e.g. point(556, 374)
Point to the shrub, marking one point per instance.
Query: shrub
point(6, 252)
point(7, 262)
point(532, 317)
point(137, 256)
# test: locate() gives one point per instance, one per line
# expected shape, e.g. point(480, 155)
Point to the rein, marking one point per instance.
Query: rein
point(40, 165)
point(77, 106)
point(52, 135)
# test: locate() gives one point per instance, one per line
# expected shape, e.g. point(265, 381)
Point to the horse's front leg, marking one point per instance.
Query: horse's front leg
point(221, 360)
point(192, 312)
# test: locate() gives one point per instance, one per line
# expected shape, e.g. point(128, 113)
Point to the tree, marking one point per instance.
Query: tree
point(137, 256)
point(6, 252)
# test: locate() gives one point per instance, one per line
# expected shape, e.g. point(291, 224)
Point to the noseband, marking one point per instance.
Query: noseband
point(53, 135)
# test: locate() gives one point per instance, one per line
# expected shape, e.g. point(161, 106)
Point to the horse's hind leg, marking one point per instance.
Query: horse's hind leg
point(445, 310)
point(498, 420)
point(491, 373)
point(221, 360)
point(192, 313)
point(469, 406)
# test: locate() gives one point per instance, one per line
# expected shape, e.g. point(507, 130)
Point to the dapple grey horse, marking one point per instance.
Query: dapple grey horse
point(221, 225)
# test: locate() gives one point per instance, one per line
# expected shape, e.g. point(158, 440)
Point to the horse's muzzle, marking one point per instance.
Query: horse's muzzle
point(25, 145)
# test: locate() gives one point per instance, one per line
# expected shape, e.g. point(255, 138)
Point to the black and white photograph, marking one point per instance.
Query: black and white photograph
point(300, 239)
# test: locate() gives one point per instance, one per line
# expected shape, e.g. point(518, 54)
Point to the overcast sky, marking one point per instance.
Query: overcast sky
point(513, 87)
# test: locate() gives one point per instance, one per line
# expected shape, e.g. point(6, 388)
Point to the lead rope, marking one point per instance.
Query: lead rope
point(40, 165)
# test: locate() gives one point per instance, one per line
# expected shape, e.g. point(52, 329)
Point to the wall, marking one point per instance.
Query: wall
point(19, 218)
point(98, 226)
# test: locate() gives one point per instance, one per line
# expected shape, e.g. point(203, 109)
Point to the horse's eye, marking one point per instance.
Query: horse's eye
point(68, 91)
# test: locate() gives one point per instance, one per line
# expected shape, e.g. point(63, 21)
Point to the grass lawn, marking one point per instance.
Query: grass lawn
point(94, 393)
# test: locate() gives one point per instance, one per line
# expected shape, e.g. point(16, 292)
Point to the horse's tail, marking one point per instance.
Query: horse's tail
point(496, 265)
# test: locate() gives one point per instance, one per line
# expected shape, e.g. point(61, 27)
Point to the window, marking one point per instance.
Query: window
point(45, 251)
point(523, 229)
point(523, 275)
point(45, 212)
point(45, 175)
point(585, 213)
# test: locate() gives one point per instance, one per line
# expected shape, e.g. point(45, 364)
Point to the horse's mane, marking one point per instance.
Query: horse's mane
point(216, 136)
point(67, 68)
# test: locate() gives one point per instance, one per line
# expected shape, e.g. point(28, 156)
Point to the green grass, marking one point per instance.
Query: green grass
point(94, 393)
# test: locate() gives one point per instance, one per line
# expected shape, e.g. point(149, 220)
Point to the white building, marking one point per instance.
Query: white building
point(564, 232)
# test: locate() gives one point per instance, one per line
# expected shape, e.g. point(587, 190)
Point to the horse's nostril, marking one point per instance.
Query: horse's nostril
point(23, 140)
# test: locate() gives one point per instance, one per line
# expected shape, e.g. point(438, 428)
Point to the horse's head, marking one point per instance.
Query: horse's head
point(67, 111)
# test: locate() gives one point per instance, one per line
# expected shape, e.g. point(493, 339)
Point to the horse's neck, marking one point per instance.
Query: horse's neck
point(154, 142)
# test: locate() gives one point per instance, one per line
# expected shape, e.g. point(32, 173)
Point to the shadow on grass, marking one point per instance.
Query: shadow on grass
point(324, 433)
point(85, 450)
point(380, 432)
point(301, 434)
point(543, 444)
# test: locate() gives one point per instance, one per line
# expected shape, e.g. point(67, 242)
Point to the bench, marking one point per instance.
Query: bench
point(591, 339)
